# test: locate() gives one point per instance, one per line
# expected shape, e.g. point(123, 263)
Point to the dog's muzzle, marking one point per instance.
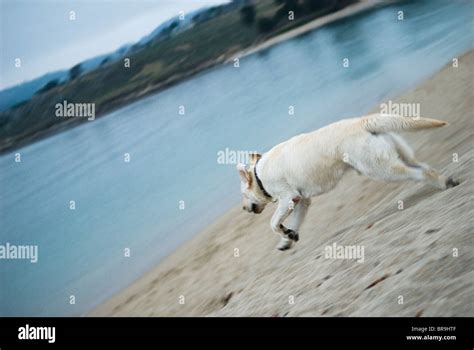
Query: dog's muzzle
point(254, 208)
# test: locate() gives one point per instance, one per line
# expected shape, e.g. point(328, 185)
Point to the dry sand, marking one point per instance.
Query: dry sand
point(408, 252)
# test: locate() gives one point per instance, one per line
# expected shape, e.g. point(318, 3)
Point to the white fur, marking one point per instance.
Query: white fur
point(311, 164)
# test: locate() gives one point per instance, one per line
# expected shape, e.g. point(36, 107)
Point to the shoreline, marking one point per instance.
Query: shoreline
point(405, 249)
point(346, 12)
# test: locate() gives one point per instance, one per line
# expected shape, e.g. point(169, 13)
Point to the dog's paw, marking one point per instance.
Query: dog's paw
point(291, 234)
point(284, 244)
point(294, 236)
point(451, 182)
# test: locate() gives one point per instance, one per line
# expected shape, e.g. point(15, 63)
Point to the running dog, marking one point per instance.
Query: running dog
point(311, 164)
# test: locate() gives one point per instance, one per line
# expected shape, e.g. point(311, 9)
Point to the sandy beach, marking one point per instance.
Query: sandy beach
point(409, 252)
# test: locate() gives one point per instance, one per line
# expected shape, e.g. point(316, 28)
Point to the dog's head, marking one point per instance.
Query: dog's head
point(254, 201)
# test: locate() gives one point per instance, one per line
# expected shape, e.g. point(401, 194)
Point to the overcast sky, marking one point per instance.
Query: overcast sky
point(40, 33)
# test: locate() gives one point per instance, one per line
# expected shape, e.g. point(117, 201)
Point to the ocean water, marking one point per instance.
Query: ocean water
point(173, 157)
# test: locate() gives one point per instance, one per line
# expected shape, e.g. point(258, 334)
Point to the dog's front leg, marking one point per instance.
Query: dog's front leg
point(297, 218)
point(286, 206)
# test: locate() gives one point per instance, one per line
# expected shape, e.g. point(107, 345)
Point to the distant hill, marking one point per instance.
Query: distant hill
point(171, 53)
point(24, 91)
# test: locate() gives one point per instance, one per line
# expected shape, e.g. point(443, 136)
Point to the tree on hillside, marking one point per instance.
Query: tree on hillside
point(168, 30)
point(318, 5)
point(266, 24)
point(75, 71)
point(48, 86)
point(247, 14)
point(104, 61)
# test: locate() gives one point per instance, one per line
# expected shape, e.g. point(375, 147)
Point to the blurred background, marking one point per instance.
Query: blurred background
point(177, 59)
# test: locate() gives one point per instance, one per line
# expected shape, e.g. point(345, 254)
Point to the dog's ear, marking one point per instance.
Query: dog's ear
point(244, 174)
point(254, 157)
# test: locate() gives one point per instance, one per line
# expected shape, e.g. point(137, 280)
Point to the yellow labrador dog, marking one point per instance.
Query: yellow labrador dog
point(310, 164)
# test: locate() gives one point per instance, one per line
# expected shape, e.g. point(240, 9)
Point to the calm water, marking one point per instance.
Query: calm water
point(174, 157)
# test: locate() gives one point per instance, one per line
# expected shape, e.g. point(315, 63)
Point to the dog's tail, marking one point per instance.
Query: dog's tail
point(382, 123)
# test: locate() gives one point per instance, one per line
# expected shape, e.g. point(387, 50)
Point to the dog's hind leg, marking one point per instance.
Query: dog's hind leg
point(387, 157)
point(404, 151)
point(430, 175)
point(396, 170)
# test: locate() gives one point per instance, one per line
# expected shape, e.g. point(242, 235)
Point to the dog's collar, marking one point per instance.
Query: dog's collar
point(259, 182)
